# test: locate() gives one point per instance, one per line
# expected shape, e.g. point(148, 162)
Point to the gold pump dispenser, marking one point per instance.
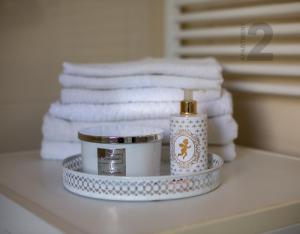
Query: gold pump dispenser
point(188, 106)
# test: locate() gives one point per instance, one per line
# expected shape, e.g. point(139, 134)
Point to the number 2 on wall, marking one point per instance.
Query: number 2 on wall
point(256, 52)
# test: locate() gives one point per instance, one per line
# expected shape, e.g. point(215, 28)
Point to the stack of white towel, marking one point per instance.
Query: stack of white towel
point(144, 92)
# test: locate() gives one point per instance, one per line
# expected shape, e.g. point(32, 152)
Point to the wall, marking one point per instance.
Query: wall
point(268, 122)
point(196, 28)
point(38, 35)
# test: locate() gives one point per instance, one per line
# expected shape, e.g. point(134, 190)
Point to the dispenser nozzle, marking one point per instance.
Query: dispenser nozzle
point(188, 94)
point(188, 105)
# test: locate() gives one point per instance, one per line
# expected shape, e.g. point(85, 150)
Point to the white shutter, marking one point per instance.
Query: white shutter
point(234, 32)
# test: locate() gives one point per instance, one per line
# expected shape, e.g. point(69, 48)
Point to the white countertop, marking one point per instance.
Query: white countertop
point(260, 192)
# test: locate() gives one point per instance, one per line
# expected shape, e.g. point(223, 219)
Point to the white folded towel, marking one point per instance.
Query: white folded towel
point(138, 81)
point(135, 111)
point(221, 130)
point(61, 150)
point(208, 68)
point(69, 96)
point(227, 152)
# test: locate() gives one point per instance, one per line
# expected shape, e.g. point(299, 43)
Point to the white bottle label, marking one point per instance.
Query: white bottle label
point(184, 149)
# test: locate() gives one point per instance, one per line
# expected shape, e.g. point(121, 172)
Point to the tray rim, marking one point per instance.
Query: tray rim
point(143, 198)
point(143, 177)
point(214, 173)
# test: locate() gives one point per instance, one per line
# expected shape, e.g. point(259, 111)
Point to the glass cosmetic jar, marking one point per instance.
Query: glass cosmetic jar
point(121, 150)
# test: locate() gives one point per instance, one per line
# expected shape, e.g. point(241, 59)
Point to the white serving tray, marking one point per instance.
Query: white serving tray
point(148, 188)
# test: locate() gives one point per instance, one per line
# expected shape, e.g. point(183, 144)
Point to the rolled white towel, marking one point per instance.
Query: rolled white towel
point(69, 96)
point(208, 68)
point(137, 81)
point(61, 150)
point(221, 130)
point(134, 111)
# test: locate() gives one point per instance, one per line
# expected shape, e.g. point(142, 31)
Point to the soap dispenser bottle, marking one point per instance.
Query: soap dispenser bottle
point(188, 138)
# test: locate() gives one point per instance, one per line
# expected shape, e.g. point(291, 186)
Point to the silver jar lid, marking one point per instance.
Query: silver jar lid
point(120, 134)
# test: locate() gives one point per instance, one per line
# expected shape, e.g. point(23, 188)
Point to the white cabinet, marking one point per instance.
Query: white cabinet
point(260, 192)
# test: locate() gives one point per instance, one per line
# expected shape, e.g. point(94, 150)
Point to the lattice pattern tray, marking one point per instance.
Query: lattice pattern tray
point(149, 188)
